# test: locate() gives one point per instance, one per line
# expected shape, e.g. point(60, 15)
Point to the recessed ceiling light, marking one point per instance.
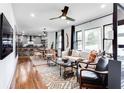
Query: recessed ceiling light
point(103, 6)
point(32, 15)
point(63, 17)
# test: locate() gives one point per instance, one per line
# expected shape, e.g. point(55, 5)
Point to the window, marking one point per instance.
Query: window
point(107, 38)
point(121, 42)
point(79, 40)
point(93, 39)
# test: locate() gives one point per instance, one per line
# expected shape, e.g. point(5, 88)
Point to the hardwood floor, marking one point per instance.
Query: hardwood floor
point(27, 77)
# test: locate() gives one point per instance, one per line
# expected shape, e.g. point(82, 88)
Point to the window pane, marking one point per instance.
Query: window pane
point(108, 32)
point(79, 45)
point(121, 42)
point(108, 46)
point(79, 35)
point(121, 35)
point(108, 35)
point(93, 39)
point(79, 40)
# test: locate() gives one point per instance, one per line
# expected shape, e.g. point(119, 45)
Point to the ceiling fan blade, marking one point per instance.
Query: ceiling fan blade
point(65, 11)
point(54, 18)
point(69, 18)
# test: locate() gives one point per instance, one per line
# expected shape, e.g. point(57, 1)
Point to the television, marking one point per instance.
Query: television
point(6, 37)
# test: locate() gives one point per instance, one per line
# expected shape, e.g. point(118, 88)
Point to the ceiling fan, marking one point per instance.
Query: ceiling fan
point(64, 15)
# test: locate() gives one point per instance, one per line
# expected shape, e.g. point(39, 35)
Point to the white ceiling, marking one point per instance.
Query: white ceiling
point(43, 11)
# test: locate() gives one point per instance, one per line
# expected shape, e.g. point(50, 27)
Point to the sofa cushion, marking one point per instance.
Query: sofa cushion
point(84, 54)
point(75, 53)
point(91, 77)
point(64, 53)
point(71, 58)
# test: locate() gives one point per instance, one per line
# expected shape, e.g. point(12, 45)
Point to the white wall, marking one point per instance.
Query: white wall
point(8, 64)
point(51, 38)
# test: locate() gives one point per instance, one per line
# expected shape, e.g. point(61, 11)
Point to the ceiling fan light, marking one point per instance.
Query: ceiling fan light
point(63, 17)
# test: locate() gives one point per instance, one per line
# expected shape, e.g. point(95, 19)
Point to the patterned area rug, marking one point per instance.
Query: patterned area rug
point(51, 76)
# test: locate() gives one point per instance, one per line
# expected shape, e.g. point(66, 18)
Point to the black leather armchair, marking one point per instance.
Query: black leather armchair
point(95, 78)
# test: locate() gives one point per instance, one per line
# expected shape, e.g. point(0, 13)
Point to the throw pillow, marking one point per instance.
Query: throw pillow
point(75, 53)
point(92, 56)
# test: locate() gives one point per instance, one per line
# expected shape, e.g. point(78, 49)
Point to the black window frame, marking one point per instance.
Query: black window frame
point(76, 41)
point(106, 39)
